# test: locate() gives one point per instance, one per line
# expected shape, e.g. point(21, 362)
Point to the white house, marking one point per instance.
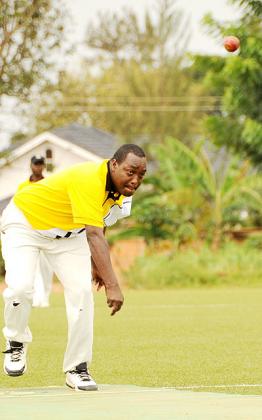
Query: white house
point(61, 148)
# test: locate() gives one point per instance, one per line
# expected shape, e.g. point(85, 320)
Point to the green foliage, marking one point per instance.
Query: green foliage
point(145, 100)
point(29, 32)
point(62, 103)
point(252, 137)
point(239, 80)
point(231, 265)
point(223, 131)
point(154, 217)
point(203, 66)
point(254, 241)
point(165, 215)
point(143, 90)
point(141, 105)
point(123, 38)
point(204, 187)
point(250, 6)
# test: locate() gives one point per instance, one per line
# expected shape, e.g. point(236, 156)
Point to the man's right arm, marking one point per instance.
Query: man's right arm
point(101, 256)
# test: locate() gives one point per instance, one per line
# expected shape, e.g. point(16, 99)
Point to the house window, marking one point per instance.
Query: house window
point(49, 160)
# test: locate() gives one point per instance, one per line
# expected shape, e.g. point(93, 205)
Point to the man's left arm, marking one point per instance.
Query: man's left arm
point(97, 279)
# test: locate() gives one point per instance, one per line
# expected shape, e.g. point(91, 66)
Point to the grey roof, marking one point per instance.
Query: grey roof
point(92, 139)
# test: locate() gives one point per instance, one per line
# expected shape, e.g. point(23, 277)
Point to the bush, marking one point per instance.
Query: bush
point(254, 241)
point(233, 265)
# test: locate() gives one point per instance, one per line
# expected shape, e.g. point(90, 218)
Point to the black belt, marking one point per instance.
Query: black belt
point(68, 234)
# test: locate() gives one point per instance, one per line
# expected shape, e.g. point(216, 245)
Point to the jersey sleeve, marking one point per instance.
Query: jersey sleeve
point(86, 197)
point(23, 185)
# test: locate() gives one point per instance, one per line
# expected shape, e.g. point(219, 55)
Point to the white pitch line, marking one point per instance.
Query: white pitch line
point(219, 386)
point(134, 391)
point(76, 393)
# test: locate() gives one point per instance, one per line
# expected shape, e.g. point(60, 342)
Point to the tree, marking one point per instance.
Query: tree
point(249, 7)
point(147, 104)
point(198, 189)
point(142, 89)
point(141, 105)
point(60, 104)
point(145, 87)
point(238, 78)
point(161, 36)
point(30, 31)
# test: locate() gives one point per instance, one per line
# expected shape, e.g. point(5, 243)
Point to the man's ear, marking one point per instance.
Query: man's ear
point(114, 163)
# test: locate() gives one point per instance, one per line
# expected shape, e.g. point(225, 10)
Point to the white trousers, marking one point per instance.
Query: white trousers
point(70, 260)
point(43, 282)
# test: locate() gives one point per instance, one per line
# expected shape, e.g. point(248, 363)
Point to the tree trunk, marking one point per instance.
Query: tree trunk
point(217, 234)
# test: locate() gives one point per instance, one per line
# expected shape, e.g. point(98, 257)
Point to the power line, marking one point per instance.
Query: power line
point(136, 108)
point(133, 104)
point(94, 99)
point(140, 108)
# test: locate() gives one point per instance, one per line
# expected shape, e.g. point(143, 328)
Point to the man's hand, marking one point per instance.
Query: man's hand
point(115, 299)
point(103, 274)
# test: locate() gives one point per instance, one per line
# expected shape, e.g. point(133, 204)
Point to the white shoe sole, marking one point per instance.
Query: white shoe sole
point(82, 388)
point(15, 372)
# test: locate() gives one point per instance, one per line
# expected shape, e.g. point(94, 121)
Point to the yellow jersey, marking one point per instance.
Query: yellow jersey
point(77, 196)
point(24, 184)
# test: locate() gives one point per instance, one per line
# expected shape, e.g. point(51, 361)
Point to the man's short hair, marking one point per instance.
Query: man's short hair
point(123, 151)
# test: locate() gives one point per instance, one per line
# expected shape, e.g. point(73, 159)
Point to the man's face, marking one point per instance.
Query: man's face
point(128, 175)
point(37, 169)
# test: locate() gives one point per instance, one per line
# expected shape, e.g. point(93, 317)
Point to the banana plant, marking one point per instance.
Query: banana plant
point(212, 178)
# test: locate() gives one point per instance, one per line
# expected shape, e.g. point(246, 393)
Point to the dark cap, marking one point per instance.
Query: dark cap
point(38, 160)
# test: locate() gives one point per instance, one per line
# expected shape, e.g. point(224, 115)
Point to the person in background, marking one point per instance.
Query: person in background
point(37, 167)
point(44, 272)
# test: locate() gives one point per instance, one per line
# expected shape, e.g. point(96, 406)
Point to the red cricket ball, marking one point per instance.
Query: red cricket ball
point(231, 43)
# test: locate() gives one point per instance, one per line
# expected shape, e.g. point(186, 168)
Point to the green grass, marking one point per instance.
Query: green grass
point(160, 338)
point(233, 264)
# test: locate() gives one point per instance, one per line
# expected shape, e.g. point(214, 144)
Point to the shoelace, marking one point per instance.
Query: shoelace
point(84, 374)
point(16, 353)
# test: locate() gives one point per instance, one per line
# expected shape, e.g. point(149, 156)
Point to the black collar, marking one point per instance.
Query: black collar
point(31, 178)
point(112, 193)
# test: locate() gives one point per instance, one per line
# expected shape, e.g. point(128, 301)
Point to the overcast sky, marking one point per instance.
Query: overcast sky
point(85, 10)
